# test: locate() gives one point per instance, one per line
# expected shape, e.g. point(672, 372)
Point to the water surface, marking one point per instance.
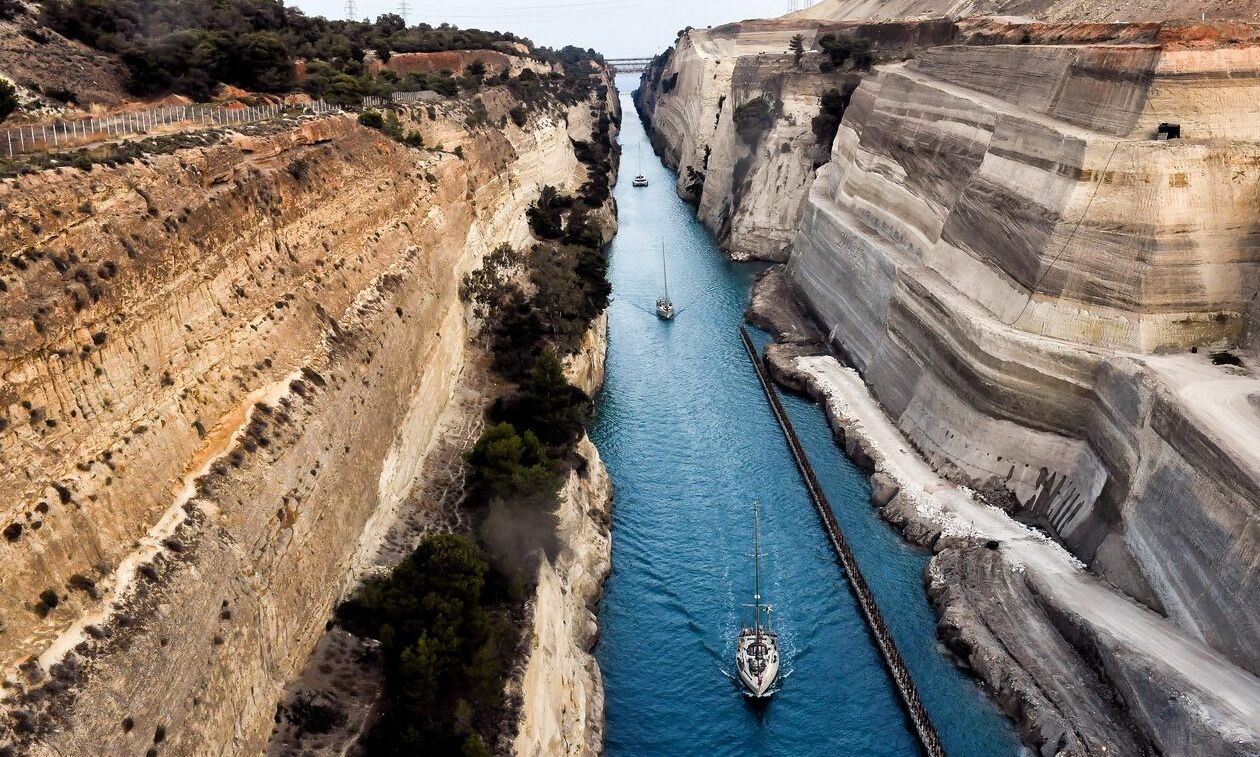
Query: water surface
point(690, 442)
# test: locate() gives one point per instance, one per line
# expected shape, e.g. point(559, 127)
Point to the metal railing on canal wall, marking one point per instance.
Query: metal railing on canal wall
point(906, 690)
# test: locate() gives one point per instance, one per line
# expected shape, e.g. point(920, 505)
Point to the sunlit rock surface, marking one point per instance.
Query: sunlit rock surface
point(223, 368)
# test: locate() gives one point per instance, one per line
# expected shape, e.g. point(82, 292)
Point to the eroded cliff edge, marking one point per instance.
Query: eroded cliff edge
point(1031, 286)
point(223, 370)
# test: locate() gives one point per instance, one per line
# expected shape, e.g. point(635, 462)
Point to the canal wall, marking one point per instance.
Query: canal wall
point(1030, 284)
point(560, 686)
point(1050, 365)
point(902, 682)
point(228, 396)
point(1083, 669)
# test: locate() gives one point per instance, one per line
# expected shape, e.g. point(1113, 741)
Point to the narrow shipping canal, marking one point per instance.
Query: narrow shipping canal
point(690, 442)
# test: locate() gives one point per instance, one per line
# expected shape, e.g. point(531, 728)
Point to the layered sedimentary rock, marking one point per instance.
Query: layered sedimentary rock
point(562, 691)
point(222, 370)
point(1031, 284)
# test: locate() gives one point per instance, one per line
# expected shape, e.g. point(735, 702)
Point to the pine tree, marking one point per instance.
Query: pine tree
point(797, 48)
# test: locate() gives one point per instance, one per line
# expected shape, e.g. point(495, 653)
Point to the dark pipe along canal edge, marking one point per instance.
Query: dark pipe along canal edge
point(690, 441)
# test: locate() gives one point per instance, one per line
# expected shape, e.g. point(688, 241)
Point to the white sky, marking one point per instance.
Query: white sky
point(616, 28)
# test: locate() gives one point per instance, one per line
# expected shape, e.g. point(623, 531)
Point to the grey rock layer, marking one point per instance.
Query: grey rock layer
point(1030, 285)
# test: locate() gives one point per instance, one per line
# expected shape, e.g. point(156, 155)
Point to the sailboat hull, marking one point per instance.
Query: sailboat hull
point(757, 660)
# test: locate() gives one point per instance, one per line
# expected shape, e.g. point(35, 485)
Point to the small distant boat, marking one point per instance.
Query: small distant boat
point(757, 654)
point(664, 305)
point(640, 180)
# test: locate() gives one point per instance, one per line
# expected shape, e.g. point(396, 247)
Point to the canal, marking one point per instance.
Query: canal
point(690, 442)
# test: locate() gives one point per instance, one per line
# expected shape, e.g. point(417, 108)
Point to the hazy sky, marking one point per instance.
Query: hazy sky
point(616, 28)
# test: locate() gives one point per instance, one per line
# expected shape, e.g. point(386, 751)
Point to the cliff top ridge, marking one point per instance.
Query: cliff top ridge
point(1042, 10)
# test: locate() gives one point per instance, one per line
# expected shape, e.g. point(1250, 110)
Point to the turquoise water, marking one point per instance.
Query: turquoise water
point(690, 442)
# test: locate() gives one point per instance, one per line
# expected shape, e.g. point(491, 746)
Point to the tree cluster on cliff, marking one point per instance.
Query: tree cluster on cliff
point(444, 616)
point(842, 49)
point(534, 307)
point(444, 623)
point(192, 46)
point(831, 108)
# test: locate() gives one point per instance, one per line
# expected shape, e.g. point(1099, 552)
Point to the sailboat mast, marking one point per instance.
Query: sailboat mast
point(757, 565)
point(664, 270)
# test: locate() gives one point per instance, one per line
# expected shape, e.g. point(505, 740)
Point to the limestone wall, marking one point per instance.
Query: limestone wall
point(221, 366)
point(1031, 285)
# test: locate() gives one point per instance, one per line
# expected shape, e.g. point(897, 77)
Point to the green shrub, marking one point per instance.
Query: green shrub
point(844, 48)
point(479, 115)
point(8, 99)
point(519, 116)
point(372, 119)
point(546, 216)
point(796, 46)
point(547, 406)
point(513, 467)
point(831, 112)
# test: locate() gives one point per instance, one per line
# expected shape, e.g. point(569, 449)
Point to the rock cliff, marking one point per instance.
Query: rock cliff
point(562, 710)
point(1040, 294)
point(223, 368)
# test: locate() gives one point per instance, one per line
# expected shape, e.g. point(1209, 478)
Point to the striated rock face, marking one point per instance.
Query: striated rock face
point(1084, 669)
point(1053, 10)
point(1030, 284)
point(749, 194)
point(991, 258)
point(222, 369)
point(562, 710)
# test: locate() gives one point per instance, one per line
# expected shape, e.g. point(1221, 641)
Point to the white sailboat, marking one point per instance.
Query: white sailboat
point(640, 180)
point(664, 305)
point(757, 654)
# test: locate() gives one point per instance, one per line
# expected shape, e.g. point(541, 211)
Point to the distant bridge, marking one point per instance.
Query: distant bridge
point(627, 65)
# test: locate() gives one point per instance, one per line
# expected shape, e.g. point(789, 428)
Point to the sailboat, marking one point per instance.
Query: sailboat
point(664, 305)
point(640, 180)
point(757, 653)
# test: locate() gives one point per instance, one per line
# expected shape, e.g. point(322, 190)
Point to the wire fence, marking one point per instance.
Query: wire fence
point(422, 96)
point(31, 138)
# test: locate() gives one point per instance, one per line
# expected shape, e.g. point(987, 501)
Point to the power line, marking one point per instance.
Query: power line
point(351, 13)
point(402, 10)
